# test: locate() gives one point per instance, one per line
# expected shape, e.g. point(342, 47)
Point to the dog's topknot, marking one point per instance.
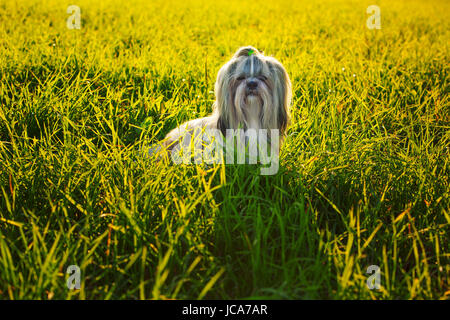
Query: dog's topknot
point(246, 51)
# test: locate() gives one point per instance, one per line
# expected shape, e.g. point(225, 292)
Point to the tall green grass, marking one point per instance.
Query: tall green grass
point(364, 171)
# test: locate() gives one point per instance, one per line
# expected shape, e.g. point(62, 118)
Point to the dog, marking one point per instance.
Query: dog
point(252, 94)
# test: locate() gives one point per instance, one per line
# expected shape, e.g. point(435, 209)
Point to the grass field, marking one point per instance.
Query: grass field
point(364, 171)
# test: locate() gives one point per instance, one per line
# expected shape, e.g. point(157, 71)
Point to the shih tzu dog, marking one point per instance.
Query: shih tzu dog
point(253, 95)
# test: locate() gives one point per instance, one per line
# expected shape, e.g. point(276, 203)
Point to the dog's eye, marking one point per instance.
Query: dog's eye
point(262, 78)
point(240, 78)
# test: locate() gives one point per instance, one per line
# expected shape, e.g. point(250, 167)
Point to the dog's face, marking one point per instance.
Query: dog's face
point(252, 90)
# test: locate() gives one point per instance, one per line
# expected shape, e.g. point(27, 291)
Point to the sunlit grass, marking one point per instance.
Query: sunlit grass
point(363, 176)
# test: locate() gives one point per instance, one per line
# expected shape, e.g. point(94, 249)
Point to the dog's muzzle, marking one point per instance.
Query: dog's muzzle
point(251, 88)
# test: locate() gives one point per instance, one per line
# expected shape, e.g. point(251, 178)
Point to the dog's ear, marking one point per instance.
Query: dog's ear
point(246, 51)
point(222, 106)
point(282, 94)
point(222, 124)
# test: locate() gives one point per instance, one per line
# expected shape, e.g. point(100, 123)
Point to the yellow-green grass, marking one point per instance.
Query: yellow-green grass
point(364, 171)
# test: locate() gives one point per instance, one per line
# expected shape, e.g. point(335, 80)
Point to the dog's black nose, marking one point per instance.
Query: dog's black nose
point(252, 84)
